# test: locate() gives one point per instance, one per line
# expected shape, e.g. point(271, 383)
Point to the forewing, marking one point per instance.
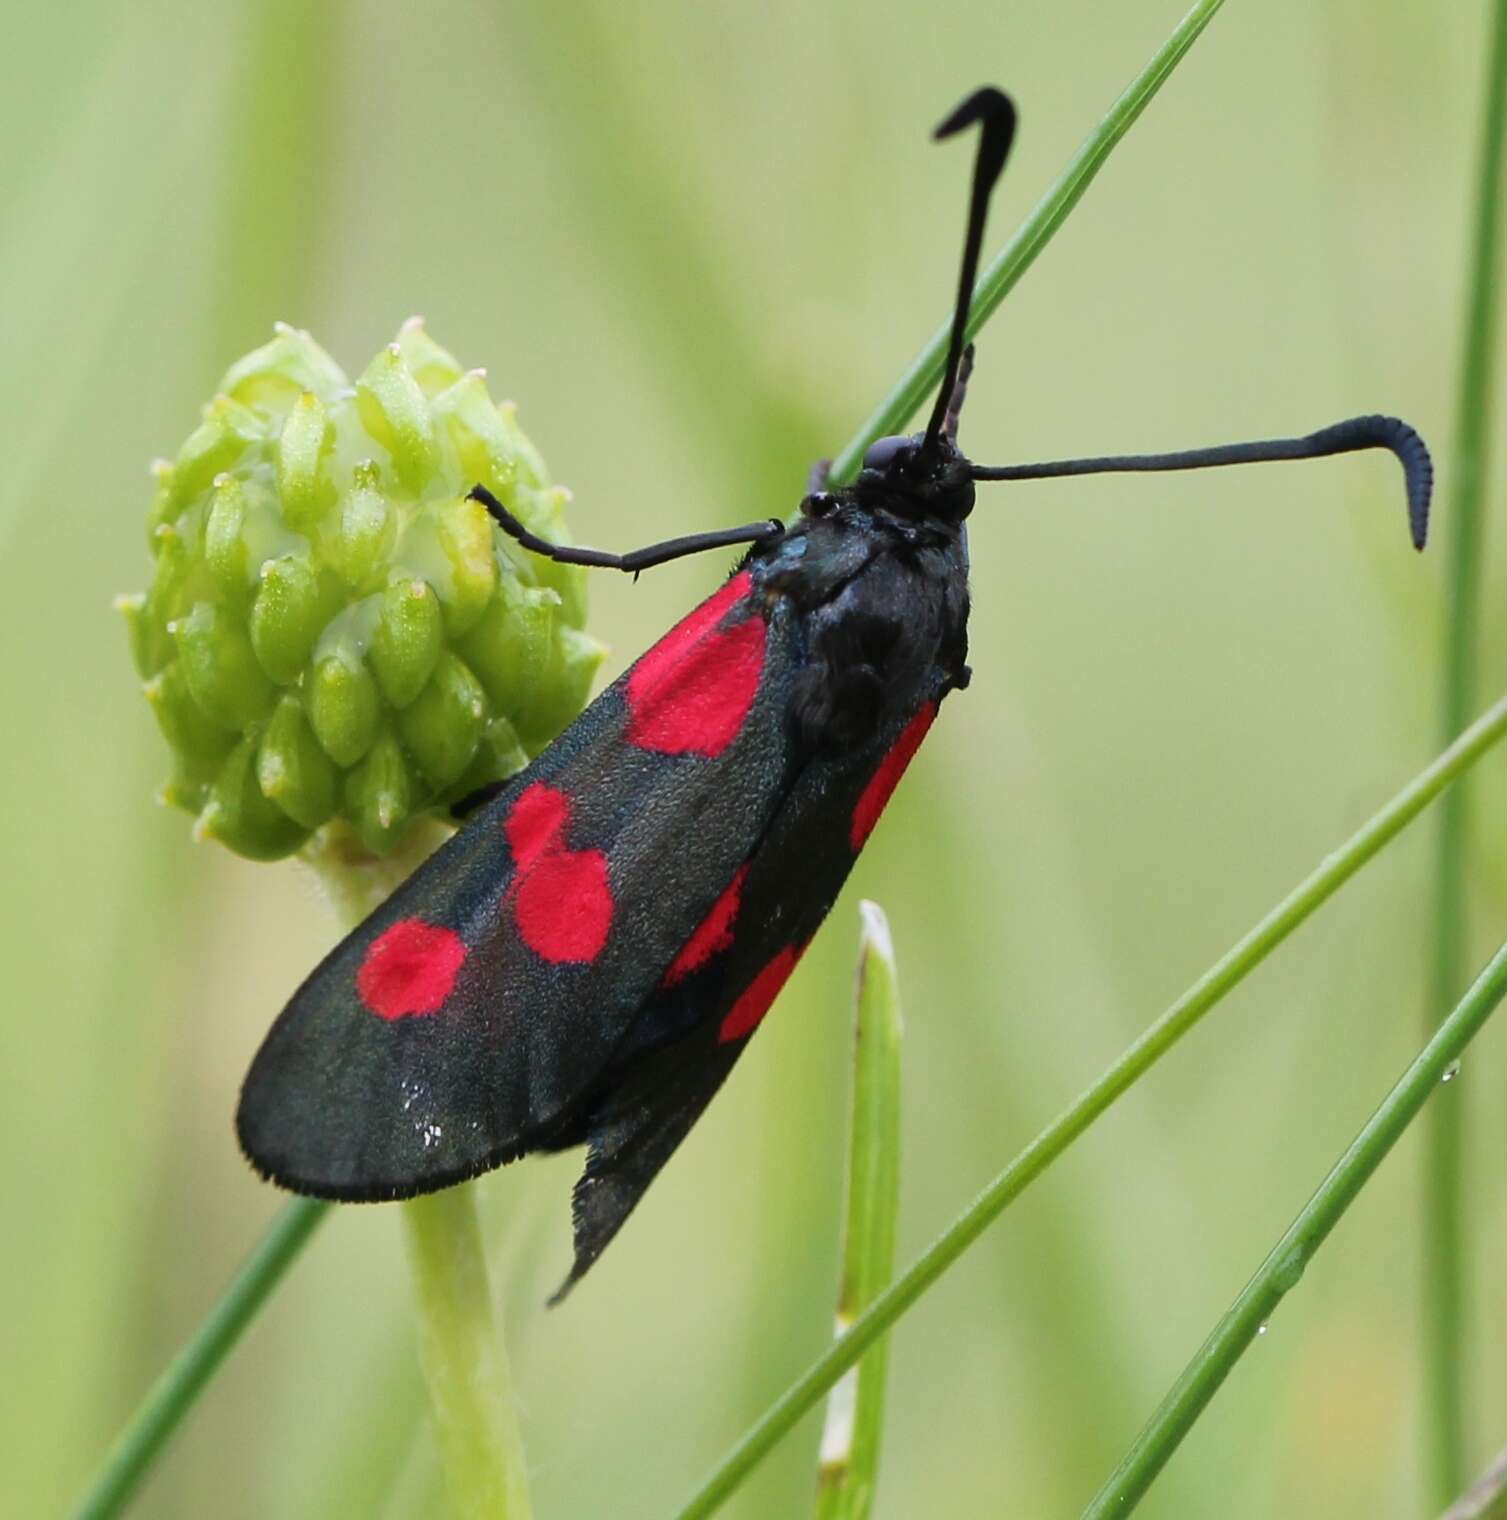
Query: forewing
point(472, 1016)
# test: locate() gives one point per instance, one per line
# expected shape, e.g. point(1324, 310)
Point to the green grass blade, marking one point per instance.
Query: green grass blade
point(925, 371)
point(1443, 1198)
point(1486, 1497)
point(855, 1407)
point(1285, 1265)
point(1226, 974)
point(186, 1376)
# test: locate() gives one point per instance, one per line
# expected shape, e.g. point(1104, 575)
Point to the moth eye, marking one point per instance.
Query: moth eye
point(883, 453)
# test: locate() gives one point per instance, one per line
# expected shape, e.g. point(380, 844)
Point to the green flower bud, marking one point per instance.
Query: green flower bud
point(333, 631)
point(226, 555)
point(443, 725)
point(543, 512)
point(511, 649)
point(167, 601)
point(212, 448)
point(220, 667)
point(409, 635)
point(432, 366)
point(532, 474)
point(464, 533)
point(500, 753)
point(344, 708)
point(241, 815)
point(396, 413)
point(273, 376)
point(291, 609)
point(379, 795)
point(363, 542)
point(304, 482)
point(163, 508)
point(292, 770)
point(141, 631)
point(485, 445)
point(566, 689)
point(199, 744)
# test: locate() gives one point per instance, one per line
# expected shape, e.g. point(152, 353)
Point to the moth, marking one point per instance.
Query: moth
point(584, 961)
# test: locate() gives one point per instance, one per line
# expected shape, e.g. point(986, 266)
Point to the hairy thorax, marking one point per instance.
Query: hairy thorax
point(881, 604)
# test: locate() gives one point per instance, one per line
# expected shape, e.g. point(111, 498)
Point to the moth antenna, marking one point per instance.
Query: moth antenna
point(1348, 437)
point(994, 109)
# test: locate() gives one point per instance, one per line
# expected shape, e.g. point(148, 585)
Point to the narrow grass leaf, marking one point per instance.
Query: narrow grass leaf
point(1221, 978)
point(1434, 1066)
point(855, 1407)
point(185, 1377)
point(1038, 229)
point(1443, 1205)
point(1486, 1498)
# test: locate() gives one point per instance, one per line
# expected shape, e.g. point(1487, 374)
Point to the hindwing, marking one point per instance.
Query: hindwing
point(716, 990)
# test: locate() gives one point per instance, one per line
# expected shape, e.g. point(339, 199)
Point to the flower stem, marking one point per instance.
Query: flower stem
point(185, 1377)
point(1228, 972)
point(465, 1363)
point(358, 882)
point(1443, 1210)
point(464, 1359)
point(1287, 1260)
point(460, 1347)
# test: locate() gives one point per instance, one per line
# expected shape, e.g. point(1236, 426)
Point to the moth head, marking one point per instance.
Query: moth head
point(912, 476)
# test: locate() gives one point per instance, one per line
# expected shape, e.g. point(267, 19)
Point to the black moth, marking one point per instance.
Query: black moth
point(586, 959)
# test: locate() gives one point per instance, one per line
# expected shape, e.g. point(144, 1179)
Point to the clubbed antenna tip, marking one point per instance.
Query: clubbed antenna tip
point(1373, 431)
point(994, 109)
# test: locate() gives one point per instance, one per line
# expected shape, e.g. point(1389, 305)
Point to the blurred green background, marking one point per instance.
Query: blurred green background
point(696, 243)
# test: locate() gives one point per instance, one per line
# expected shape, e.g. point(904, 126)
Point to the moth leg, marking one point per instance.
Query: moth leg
point(463, 807)
point(637, 559)
point(818, 500)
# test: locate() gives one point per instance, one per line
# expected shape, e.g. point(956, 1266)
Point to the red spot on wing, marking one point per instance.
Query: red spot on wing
point(562, 902)
point(535, 821)
point(753, 1003)
point(697, 624)
point(563, 905)
point(690, 694)
point(410, 968)
point(886, 778)
point(711, 936)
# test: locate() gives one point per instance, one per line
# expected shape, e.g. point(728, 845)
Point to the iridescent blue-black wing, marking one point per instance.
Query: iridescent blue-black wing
point(468, 1019)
